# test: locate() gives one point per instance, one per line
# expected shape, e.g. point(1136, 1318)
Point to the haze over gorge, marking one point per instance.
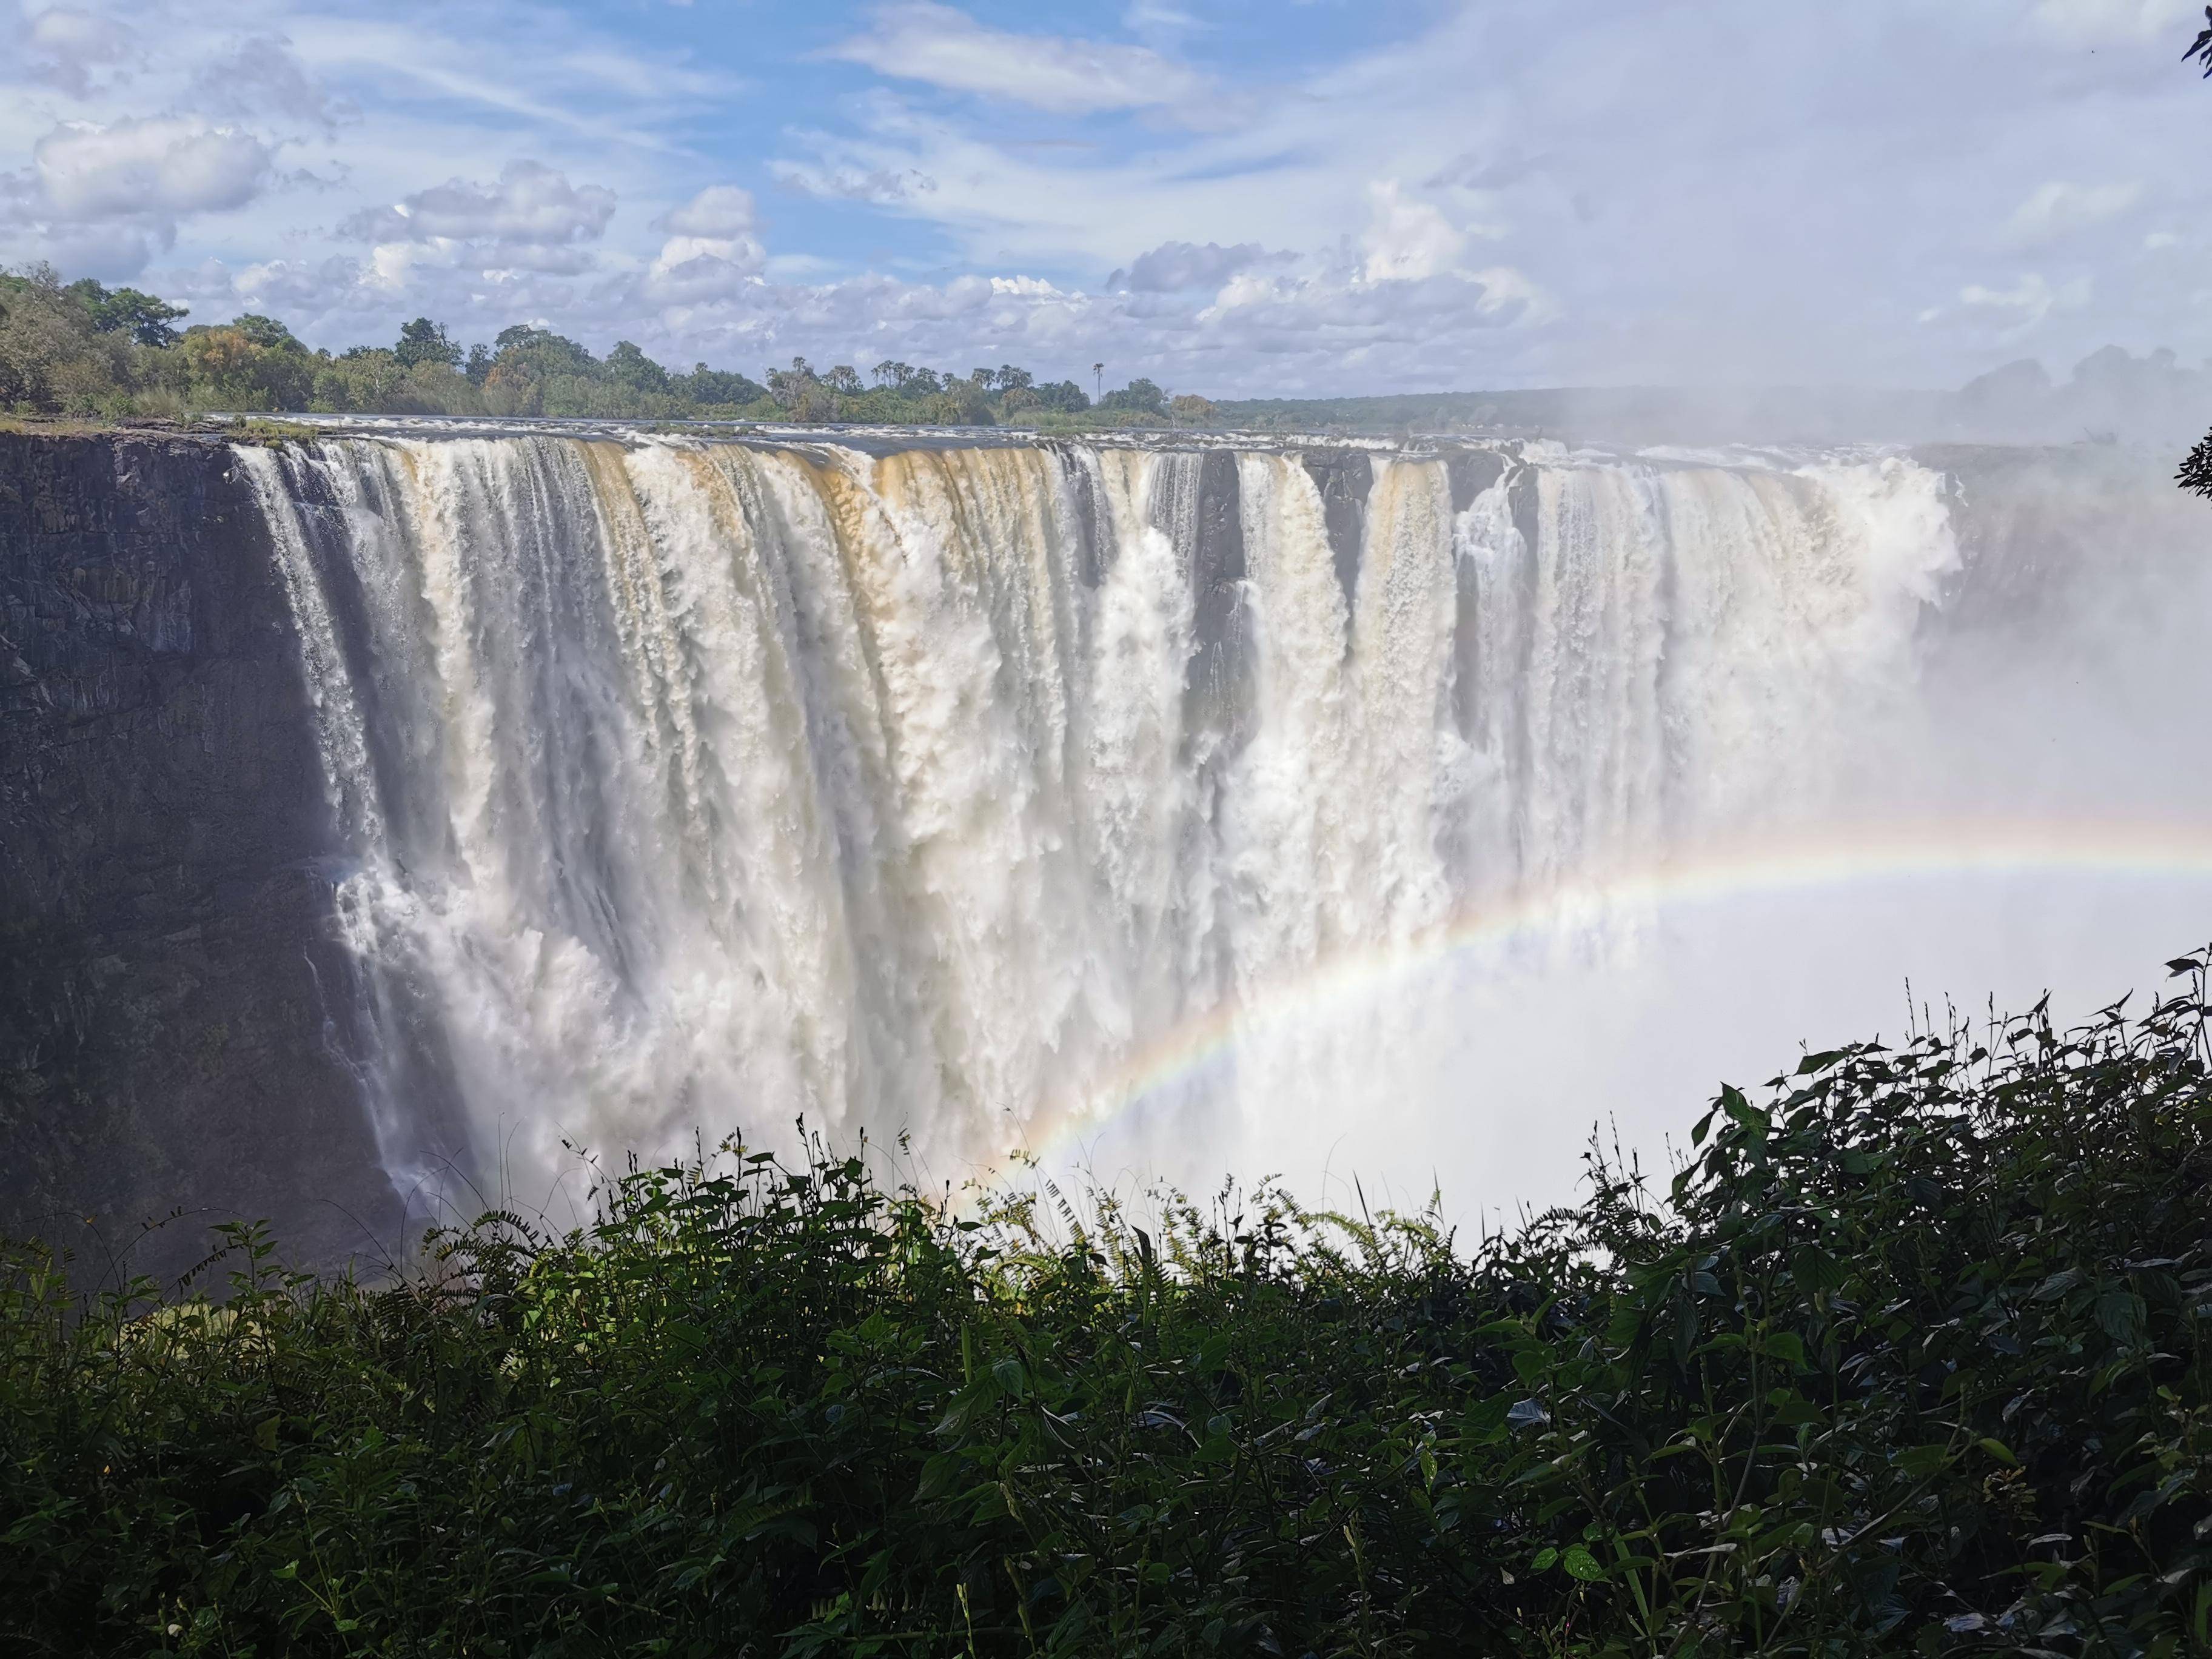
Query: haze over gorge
point(399, 807)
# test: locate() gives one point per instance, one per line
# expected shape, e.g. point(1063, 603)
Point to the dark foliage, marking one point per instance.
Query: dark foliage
point(1912, 1358)
point(145, 319)
point(2196, 473)
point(1138, 394)
point(425, 341)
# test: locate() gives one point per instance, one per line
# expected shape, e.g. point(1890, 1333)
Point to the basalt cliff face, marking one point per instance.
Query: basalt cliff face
point(165, 956)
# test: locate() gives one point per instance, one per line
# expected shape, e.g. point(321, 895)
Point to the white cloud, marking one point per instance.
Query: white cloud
point(262, 75)
point(2059, 209)
point(521, 72)
point(164, 167)
point(63, 48)
point(882, 185)
point(1486, 170)
point(714, 251)
point(531, 205)
point(941, 46)
point(283, 288)
point(1173, 266)
point(115, 250)
point(1407, 240)
point(689, 270)
point(1999, 131)
point(717, 211)
point(2081, 21)
point(103, 200)
point(2031, 299)
point(1507, 290)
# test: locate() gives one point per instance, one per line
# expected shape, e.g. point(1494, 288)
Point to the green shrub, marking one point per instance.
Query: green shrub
point(1912, 1359)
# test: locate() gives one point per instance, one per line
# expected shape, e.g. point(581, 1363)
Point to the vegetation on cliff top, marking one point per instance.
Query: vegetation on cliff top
point(1912, 1358)
point(79, 348)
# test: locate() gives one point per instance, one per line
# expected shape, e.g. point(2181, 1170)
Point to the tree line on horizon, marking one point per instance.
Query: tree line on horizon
point(82, 348)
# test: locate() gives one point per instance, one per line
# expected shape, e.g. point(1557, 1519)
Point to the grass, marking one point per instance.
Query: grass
point(1912, 1359)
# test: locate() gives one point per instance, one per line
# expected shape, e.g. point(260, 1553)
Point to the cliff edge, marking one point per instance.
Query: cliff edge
point(171, 1003)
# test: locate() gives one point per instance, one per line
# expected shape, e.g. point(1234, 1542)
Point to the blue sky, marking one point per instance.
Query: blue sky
point(1235, 197)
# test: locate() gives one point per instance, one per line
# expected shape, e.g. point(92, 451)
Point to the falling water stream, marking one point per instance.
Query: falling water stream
point(687, 784)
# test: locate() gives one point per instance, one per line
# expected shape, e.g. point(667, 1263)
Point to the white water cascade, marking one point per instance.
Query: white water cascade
point(686, 785)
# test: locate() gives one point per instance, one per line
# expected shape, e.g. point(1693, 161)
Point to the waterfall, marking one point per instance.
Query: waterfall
point(690, 784)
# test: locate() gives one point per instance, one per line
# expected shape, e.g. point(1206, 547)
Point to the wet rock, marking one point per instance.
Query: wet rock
point(169, 1037)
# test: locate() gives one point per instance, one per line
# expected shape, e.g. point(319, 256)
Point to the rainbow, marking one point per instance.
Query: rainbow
point(1955, 848)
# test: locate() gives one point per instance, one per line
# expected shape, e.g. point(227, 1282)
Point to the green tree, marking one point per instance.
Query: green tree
point(905, 379)
point(54, 357)
point(145, 319)
point(425, 341)
point(267, 334)
point(793, 388)
point(253, 363)
point(719, 387)
point(1140, 395)
point(629, 366)
point(543, 350)
point(961, 402)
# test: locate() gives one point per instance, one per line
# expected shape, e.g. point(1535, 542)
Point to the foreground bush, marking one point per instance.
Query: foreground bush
point(1912, 1358)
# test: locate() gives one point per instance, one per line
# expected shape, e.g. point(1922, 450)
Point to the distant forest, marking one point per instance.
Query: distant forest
point(2109, 396)
point(81, 348)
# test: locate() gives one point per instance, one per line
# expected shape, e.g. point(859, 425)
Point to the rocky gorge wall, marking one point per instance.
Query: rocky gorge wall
point(167, 1034)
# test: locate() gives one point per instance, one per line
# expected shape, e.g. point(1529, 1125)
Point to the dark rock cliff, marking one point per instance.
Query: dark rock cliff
point(171, 999)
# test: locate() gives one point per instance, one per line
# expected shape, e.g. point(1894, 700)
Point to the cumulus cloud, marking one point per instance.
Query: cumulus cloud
point(1511, 294)
point(1408, 238)
point(104, 200)
point(1176, 265)
point(284, 288)
point(115, 251)
point(942, 46)
point(163, 167)
point(531, 206)
point(713, 251)
point(65, 48)
point(1370, 157)
point(262, 75)
point(2059, 209)
point(882, 185)
point(691, 268)
point(531, 219)
point(1306, 324)
point(717, 211)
